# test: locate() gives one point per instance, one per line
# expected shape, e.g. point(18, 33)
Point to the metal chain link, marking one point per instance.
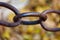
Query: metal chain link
point(44, 26)
point(17, 19)
point(14, 10)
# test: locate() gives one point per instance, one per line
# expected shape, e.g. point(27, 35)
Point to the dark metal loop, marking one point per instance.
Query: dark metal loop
point(44, 26)
point(9, 7)
point(9, 24)
point(14, 10)
point(30, 14)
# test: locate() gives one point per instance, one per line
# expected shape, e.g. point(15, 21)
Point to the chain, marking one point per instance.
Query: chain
point(17, 19)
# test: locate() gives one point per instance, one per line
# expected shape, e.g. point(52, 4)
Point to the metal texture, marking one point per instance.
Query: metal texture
point(17, 19)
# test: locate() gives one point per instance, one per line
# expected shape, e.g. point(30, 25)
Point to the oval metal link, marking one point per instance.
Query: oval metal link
point(14, 10)
point(44, 26)
point(27, 14)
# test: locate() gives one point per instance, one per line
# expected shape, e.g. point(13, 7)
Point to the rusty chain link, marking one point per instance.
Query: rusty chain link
point(17, 19)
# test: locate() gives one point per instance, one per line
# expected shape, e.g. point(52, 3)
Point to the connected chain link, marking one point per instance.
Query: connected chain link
point(17, 19)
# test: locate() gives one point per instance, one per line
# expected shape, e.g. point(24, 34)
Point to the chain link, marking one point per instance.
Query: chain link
point(44, 26)
point(14, 10)
point(17, 19)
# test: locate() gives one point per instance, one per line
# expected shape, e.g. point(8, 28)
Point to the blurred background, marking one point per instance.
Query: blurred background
point(30, 32)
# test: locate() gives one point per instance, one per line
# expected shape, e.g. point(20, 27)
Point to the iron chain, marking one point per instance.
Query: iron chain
point(17, 19)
